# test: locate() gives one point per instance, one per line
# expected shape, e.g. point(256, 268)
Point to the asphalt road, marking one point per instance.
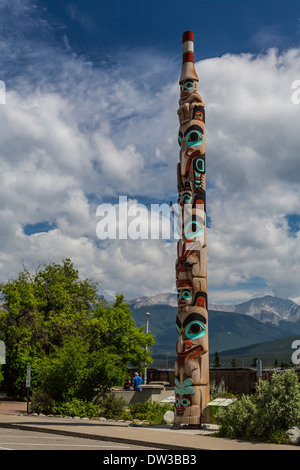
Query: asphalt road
point(16, 439)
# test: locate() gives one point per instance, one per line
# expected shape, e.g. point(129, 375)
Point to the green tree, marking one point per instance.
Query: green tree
point(74, 371)
point(254, 362)
point(234, 362)
point(217, 362)
point(112, 326)
point(42, 311)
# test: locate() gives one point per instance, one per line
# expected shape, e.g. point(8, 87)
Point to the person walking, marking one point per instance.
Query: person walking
point(136, 382)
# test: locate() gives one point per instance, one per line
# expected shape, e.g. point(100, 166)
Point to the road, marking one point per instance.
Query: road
point(16, 439)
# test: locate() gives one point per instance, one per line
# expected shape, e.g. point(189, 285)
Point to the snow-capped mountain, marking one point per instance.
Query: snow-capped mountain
point(158, 299)
point(266, 309)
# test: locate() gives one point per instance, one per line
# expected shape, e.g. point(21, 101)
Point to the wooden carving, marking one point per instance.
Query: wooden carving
point(192, 364)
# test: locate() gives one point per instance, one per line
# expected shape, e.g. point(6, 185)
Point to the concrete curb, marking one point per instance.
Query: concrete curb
point(98, 437)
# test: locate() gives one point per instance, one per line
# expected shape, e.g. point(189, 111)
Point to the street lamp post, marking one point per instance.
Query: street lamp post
point(147, 329)
point(167, 360)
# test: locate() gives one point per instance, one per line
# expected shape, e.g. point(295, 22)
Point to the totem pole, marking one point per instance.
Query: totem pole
point(192, 364)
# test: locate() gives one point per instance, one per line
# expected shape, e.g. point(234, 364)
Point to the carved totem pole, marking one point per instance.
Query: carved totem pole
point(192, 364)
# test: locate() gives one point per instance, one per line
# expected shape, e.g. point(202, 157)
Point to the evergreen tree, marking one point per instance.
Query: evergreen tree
point(217, 362)
point(234, 362)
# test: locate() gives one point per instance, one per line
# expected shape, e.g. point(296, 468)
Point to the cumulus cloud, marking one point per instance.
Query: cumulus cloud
point(252, 159)
point(76, 134)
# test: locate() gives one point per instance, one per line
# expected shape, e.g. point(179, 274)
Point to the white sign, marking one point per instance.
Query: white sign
point(2, 352)
point(221, 402)
point(28, 375)
point(170, 399)
point(259, 368)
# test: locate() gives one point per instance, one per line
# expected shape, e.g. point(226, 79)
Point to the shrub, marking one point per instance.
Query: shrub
point(278, 403)
point(41, 402)
point(77, 407)
point(112, 407)
point(153, 413)
point(236, 420)
point(266, 415)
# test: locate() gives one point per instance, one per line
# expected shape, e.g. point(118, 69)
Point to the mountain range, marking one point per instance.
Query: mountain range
point(257, 328)
point(267, 309)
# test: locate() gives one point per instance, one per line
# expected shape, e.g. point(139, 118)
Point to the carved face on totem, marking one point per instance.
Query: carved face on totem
point(191, 260)
point(193, 338)
point(184, 292)
point(191, 140)
point(187, 88)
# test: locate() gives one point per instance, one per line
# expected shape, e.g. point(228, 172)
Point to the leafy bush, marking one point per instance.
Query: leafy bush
point(72, 371)
point(278, 403)
point(266, 415)
point(112, 407)
point(41, 402)
point(153, 413)
point(107, 406)
point(237, 419)
point(77, 407)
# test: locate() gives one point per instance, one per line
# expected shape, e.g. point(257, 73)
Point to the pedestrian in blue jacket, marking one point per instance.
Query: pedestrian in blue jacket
point(137, 381)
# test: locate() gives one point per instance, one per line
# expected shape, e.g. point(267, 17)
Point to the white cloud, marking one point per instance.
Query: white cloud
point(75, 135)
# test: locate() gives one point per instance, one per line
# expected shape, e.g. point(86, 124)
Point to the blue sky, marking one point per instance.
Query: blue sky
point(91, 114)
point(98, 28)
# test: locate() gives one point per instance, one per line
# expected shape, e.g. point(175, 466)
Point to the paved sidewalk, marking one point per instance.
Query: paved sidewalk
point(162, 437)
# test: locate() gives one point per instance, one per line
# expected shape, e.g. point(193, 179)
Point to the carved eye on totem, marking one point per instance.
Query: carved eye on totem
point(193, 326)
point(187, 85)
point(195, 330)
point(194, 138)
point(183, 402)
point(193, 229)
point(184, 295)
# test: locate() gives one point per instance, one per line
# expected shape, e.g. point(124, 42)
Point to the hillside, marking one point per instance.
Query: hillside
point(279, 349)
point(227, 330)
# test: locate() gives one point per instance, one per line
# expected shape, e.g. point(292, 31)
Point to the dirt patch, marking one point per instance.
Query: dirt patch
point(12, 407)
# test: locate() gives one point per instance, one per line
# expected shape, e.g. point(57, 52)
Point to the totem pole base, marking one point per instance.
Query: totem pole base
point(206, 416)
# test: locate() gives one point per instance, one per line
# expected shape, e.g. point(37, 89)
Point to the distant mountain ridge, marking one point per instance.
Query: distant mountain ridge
point(267, 309)
point(158, 299)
